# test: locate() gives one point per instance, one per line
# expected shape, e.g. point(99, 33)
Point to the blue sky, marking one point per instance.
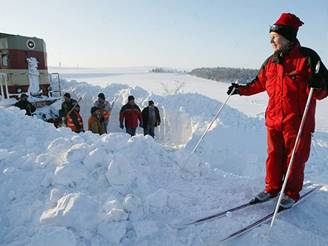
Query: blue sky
point(181, 34)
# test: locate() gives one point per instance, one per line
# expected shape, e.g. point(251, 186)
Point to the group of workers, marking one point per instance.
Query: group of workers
point(130, 116)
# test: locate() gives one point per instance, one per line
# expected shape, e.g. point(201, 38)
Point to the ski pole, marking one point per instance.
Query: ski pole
point(214, 118)
point(300, 130)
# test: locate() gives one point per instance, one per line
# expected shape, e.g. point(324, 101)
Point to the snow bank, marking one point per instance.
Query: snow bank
point(62, 188)
point(53, 236)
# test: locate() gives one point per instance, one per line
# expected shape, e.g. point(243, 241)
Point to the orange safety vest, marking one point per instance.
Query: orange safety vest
point(70, 123)
point(105, 114)
point(95, 126)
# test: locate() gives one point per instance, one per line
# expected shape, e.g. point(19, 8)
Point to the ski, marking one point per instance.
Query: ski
point(220, 214)
point(224, 213)
point(266, 218)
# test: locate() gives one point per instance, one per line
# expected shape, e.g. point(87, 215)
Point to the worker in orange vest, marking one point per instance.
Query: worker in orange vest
point(74, 120)
point(96, 122)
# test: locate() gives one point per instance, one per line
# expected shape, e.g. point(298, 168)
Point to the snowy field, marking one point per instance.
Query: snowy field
point(62, 188)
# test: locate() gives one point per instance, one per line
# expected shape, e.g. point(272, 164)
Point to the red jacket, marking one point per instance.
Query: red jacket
point(130, 114)
point(285, 79)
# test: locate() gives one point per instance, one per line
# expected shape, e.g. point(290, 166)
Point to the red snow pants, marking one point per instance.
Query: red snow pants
point(280, 147)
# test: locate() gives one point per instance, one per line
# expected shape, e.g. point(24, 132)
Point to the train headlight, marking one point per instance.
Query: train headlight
point(30, 44)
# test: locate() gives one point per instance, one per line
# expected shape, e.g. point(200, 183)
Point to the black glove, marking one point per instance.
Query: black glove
point(316, 82)
point(231, 87)
point(121, 125)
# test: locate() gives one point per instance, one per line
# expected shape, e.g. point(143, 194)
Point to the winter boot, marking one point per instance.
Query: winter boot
point(286, 202)
point(263, 196)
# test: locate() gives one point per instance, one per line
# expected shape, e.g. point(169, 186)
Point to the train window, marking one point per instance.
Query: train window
point(4, 60)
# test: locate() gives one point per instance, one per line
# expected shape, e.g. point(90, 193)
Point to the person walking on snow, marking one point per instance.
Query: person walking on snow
point(96, 122)
point(104, 108)
point(287, 77)
point(130, 113)
point(150, 119)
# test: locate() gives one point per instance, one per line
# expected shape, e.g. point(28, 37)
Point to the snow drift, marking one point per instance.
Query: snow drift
point(62, 188)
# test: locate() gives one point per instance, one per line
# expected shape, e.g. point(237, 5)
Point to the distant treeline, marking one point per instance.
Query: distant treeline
point(226, 74)
point(166, 70)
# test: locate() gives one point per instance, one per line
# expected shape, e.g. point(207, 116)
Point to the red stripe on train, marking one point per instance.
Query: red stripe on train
point(17, 59)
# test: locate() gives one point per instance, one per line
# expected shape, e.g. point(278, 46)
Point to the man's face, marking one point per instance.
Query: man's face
point(101, 100)
point(131, 102)
point(278, 41)
point(66, 99)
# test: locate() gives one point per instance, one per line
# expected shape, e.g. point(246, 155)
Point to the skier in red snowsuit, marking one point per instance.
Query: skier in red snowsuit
point(287, 77)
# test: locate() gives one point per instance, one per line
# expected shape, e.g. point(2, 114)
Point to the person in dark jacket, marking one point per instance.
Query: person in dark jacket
point(74, 120)
point(23, 103)
point(150, 119)
point(130, 114)
point(66, 106)
point(287, 77)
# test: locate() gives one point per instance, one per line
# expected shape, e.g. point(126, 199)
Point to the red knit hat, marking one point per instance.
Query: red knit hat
point(290, 20)
point(287, 25)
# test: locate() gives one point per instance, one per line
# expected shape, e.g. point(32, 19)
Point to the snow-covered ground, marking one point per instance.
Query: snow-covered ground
point(62, 188)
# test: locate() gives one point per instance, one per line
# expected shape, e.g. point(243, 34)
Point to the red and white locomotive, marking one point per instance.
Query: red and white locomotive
point(23, 67)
